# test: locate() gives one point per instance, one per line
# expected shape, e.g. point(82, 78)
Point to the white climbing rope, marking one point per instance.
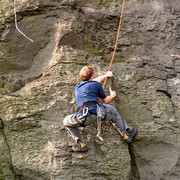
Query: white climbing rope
point(99, 128)
point(17, 25)
point(99, 118)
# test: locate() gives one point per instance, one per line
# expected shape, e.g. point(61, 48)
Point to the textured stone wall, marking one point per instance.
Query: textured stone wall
point(37, 88)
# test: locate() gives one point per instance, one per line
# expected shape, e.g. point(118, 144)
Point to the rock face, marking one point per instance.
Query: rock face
point(37, 88)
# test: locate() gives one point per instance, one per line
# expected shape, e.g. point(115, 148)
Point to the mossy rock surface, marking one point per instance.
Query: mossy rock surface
point(37, 83)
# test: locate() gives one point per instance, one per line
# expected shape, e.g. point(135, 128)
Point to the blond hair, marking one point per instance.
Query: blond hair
point(86, 73)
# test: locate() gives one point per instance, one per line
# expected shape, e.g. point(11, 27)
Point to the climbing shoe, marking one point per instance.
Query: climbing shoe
point(131, 134)
point(78, 148)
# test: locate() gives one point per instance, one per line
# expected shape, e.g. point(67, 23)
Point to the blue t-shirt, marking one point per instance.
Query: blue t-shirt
point(87, 91)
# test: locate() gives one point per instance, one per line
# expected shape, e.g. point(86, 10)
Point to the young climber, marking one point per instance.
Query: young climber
point(87, 93)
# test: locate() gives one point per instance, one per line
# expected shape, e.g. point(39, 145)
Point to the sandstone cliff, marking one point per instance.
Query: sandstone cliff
point(37, 88)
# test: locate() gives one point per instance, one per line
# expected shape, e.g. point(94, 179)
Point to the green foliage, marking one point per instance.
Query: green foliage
point(3, 164)
point(2, 176)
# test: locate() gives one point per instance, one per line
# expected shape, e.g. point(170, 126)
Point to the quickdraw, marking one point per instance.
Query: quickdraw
point(101, 114)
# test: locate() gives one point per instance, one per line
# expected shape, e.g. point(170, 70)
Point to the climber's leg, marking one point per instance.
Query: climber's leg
point(72, 126)
point(118, 122)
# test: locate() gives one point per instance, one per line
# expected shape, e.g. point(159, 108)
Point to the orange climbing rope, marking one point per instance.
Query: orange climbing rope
point(116, 42)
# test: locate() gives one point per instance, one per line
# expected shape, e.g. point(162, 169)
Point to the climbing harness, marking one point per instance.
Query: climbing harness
point(88, 109)
point(81, 116)
point(17, 25)
point(117, 37)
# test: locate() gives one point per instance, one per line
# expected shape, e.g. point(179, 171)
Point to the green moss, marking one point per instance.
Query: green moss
point(119, 56)
point(88, 47)
point(1, 81)
point(2, 176)
point(6, 67)
point(2, 90)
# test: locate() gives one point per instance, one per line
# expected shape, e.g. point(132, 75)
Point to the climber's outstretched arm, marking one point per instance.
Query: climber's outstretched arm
point(110, 97)
point(101, 78)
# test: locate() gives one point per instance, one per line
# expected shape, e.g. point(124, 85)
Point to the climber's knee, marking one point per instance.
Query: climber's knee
point(67, 121)
point(70, 121)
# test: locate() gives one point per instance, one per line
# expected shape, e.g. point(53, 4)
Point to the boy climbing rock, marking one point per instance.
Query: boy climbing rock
point(87, 93)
